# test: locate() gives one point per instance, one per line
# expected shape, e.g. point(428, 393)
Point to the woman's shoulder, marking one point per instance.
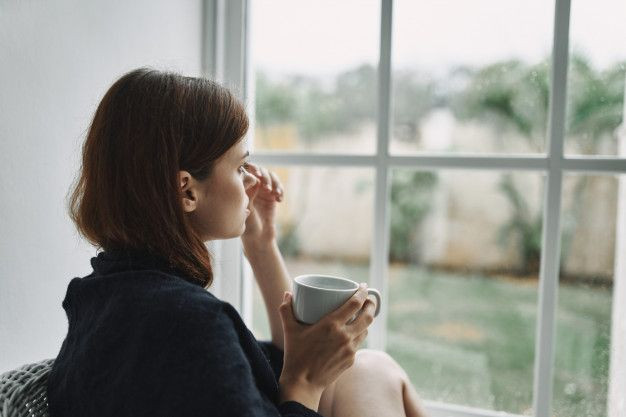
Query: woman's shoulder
point(153, 292)
point(177, 295)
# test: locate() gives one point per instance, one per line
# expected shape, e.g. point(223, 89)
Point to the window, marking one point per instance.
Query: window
point(465, 158)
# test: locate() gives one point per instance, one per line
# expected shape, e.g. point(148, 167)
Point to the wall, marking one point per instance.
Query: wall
point(56, 61)
point(468, 208)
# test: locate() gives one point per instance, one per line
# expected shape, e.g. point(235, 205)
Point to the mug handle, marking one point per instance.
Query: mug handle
point(375, 293)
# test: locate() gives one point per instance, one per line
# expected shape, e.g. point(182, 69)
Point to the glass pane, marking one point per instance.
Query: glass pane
point(315, 64)
point(471, 76)
point(595, 92)
point(464, 262)
point(583, 321)
point(324, 226)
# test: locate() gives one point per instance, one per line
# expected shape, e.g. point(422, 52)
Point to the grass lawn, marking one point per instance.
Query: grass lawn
point(471, 339)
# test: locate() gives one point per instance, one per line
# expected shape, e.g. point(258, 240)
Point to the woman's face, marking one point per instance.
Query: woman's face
point(217, 206)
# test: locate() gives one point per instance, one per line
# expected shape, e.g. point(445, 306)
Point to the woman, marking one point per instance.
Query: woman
point(165, 170)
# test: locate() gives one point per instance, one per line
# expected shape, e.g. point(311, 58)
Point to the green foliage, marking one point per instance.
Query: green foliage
point(523, 226)
point(413, 99)
point(508, 94)
point(513, 95)
point(288, 240)
point(318, 110)
point(411, 196)
point(596, 104)
point(275, 102)
point(314, 109)
point(356, 91)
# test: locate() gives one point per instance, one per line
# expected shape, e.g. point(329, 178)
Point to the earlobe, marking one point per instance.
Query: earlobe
point(188, 205)
point(189, 201)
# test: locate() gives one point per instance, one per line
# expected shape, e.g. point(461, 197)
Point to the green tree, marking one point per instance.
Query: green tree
point(275, 102)
point(513, 95)
point(317, 110)
point(508, 95)
point(341, 105)
point(411, 200)
point(595, 105)
point(413, 98)
point(523, 225)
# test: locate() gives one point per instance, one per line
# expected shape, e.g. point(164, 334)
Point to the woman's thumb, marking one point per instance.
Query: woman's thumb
point(285, 307)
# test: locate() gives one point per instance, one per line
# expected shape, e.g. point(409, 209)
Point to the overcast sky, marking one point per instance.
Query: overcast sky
point(327, 36)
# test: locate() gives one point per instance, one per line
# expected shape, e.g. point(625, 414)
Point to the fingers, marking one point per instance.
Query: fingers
point(269, 180)
point(344, 313)
point(287, 316)
point(276, 186)
point(263, 175)
point(365, 317)
point(266, 179)
point(286, 312)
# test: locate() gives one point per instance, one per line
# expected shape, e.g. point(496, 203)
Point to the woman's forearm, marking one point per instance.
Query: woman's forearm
point(273, 279)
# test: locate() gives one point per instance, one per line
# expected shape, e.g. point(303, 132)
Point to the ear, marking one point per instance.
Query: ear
point(187, 189)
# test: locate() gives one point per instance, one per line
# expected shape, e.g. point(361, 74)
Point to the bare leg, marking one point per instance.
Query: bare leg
point(412, 405)
point(374, 386)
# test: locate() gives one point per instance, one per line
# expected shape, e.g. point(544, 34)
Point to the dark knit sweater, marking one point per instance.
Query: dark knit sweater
point(145, 341)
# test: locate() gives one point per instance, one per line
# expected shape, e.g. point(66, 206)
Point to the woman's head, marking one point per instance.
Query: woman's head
point(158, 169)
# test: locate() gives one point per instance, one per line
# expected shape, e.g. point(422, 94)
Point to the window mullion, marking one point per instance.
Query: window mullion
point(551, 239)
point(224, 60)
point(380, 237)
point(617, 361)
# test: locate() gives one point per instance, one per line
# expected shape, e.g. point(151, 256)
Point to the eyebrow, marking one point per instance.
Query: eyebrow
point(246, 154)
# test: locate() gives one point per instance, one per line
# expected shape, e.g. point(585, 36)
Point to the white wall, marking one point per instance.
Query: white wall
point(57, 58)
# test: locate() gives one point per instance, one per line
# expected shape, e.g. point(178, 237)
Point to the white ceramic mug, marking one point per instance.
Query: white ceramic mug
point(314, 296)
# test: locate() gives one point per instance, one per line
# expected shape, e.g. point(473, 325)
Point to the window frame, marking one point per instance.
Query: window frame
point(226, 58)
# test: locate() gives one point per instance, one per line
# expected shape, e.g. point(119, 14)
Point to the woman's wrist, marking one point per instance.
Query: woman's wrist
point(259, 248)
point(305, 394)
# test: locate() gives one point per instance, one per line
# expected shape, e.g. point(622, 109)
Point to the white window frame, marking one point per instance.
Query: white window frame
point(226, 58)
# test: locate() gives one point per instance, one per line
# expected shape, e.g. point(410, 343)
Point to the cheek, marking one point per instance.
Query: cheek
point(233, 196)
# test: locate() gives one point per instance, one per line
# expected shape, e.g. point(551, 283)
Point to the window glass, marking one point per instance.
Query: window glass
point(315, 64)
point(597, 68)
point(470, 76)
point(583, 320)
point(463, 275)
point(324, 226)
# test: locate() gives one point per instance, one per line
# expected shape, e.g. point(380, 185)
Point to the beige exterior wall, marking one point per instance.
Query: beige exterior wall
point(468, 209)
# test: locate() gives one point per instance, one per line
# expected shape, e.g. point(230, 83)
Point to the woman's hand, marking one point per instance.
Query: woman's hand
point(264, 196)
point(316, 355)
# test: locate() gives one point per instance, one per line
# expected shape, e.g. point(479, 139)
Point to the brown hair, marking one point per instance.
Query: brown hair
point(150, 125)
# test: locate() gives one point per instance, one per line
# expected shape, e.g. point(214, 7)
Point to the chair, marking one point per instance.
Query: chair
point(23, 390)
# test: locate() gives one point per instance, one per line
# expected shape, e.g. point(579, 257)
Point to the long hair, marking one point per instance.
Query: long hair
point(150, 125)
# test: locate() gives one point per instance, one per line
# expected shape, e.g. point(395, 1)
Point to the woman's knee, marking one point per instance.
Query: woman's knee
point(352, 394)
point(373, 366)
point(379, 361)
